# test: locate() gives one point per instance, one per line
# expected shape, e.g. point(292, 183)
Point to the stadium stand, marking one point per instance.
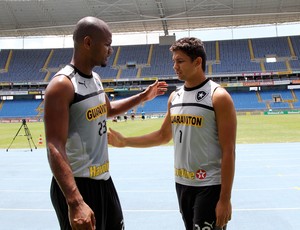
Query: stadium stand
point(60, 57)
point(137, 54)
point(247, 101)
point(25, 65)
point(224, 57)
point(161, 64)
point(297, 102)
point(241, 62)
point(279, 105)
point(235, 58)
point(295, 43)
point(159, 105)
point(4, 56)
point(271, 94)
point(20, 108)
point(271, 46)
point(130, 72)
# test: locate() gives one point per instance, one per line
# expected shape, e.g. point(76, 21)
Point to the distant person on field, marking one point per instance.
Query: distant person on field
point(132, 114)
point(143, 115)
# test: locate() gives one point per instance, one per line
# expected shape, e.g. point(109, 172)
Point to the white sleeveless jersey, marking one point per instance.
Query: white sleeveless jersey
point(195, 136)
point(87, 146)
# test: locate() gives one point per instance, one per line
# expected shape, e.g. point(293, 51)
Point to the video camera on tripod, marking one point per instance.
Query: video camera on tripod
point(27, 134)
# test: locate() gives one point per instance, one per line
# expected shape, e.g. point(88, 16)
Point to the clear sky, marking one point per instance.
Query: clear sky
point(209, 34)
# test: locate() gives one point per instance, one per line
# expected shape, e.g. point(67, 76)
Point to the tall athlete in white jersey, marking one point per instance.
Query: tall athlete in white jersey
point(202, 121)
point(76, 111)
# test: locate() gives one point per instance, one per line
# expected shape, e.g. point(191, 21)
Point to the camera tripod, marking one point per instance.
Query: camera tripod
point(27, 134)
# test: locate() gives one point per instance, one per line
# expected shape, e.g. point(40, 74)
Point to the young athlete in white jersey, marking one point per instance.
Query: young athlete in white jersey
point(201, 119)
point(76, 112)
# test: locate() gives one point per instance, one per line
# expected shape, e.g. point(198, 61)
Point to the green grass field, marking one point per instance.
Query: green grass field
point(251, 129)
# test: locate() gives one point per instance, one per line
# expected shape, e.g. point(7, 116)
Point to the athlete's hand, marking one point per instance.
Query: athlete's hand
point(223, 213)
point(82, 217)
point(155, 89)
point(115, 138)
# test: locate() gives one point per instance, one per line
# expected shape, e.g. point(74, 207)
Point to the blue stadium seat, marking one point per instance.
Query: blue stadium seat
point(268, 95)
point(161, 62)
point(134, 53)
point(158, 105)
point(235, 58)
point(246, 101)
point(269, 46)
point(20, 108)
point(3, 58)
point(297, 103)
point(26, 65)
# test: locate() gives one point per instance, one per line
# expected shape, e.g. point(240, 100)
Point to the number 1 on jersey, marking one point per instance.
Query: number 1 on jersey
point(180, 136)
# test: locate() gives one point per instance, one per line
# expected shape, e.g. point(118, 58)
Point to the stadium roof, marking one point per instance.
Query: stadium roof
point(58, 17)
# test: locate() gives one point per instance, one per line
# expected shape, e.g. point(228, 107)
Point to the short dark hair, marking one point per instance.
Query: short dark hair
point(192, 47)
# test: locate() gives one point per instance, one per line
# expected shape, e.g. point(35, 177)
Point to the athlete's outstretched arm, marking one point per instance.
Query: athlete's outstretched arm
point(120, 106)
point(226, 125)
point(58, 96)
point(158, 137)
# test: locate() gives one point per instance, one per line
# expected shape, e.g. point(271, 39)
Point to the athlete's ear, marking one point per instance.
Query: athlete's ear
point(87, 42)
point(198, 62)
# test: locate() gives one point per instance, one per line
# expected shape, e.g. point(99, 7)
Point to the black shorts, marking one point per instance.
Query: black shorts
point(197, 206)
point(99, 195)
